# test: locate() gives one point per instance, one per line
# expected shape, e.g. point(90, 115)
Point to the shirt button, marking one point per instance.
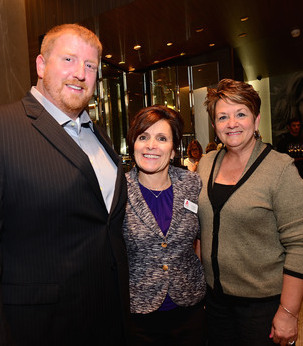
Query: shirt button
point(165, 267)
point(164, 245)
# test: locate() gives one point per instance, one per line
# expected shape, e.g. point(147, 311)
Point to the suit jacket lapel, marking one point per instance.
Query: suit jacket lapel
point(56, 135)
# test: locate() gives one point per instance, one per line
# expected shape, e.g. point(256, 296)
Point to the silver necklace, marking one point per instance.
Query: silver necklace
point(152, 192)
point(157, 196)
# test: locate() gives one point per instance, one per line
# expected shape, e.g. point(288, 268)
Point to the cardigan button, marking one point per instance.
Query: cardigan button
point(165, 267)
point(164, 245)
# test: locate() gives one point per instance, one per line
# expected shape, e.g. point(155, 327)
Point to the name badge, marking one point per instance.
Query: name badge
point(190, 206)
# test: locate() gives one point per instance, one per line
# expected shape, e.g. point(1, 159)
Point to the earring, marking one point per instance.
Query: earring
point(257, 134)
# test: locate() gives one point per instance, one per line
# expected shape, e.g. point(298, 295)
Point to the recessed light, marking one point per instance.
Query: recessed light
point(211, 44)
point(296, 32)
point(244, 34)
point(244, 19)
point(137, 47)
point(108, 56)
point(156, 61)
point(121, 62)
point(131, 69)
point(199, 29)
point(182, 53)
point(169, 44)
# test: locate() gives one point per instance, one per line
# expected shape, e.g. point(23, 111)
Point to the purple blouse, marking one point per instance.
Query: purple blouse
point(162, 209)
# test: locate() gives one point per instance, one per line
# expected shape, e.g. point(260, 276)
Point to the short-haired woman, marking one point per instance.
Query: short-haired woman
point(252, 227)
point(161, 226)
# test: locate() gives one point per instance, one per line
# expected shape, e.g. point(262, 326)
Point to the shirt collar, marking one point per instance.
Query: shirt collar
point(56, 113)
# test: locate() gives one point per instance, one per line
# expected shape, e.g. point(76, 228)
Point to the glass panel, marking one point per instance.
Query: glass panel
point(112, 99)
point(134, 90)
point(202, 77)
point(163, 87)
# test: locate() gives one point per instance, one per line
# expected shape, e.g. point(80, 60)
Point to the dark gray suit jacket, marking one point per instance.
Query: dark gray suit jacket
point(64, 272)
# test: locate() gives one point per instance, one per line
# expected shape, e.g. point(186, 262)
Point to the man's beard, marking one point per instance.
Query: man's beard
point(71, 104)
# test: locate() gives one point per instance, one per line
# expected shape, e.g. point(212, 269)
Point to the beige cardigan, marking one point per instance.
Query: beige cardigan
point(261, 226)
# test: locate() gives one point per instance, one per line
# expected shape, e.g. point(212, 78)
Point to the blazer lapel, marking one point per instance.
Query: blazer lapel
point(180, 194)
point(56, 135)
point(137, 202)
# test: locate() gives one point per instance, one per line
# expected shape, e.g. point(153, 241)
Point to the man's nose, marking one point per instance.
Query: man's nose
point(79, 71)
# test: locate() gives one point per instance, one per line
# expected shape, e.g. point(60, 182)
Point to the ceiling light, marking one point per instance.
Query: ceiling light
point(169, 44)
point(244, 34)
point(108, 56)
point(199, 29)
point(121, 62)
point(131, 69)
point(211, 44)
point(295, 32)
point(182, 53)
point(244, 19)
point(156, 61)
point(137, 47)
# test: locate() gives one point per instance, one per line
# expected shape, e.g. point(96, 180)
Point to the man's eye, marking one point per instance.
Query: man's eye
point(68, 59)
point(91, 67)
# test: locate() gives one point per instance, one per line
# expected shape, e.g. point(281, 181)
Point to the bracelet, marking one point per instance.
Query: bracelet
point(293, 315)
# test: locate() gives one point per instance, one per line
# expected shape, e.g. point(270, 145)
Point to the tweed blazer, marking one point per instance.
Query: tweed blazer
point(148, 259)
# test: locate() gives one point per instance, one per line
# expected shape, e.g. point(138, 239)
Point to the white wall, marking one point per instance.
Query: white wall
point(201, 117)
point(262, 87)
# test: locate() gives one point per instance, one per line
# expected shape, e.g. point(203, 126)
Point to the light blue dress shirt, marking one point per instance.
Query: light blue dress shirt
point(82, 133)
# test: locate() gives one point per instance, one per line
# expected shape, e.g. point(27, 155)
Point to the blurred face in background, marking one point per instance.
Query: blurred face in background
point(294, 128)
point(195, 152)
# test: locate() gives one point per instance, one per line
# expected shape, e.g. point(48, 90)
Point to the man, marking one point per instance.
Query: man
point(291, 143)
point(64, 272)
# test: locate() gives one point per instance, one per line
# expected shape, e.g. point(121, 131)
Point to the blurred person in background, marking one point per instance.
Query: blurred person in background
point(194, 152)
point(291, 143)
point(211, 146)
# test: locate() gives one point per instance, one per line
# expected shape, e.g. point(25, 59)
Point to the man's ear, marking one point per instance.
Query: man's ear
point(40, 65)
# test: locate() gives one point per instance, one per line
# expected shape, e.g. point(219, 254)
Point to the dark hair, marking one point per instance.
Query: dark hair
point(148, 116)
point(211, 146)
point(194, 142)
point(293, 120)
point(234, 91)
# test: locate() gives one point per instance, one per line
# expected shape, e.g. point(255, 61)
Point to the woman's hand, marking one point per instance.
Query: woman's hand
point(284, 328)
